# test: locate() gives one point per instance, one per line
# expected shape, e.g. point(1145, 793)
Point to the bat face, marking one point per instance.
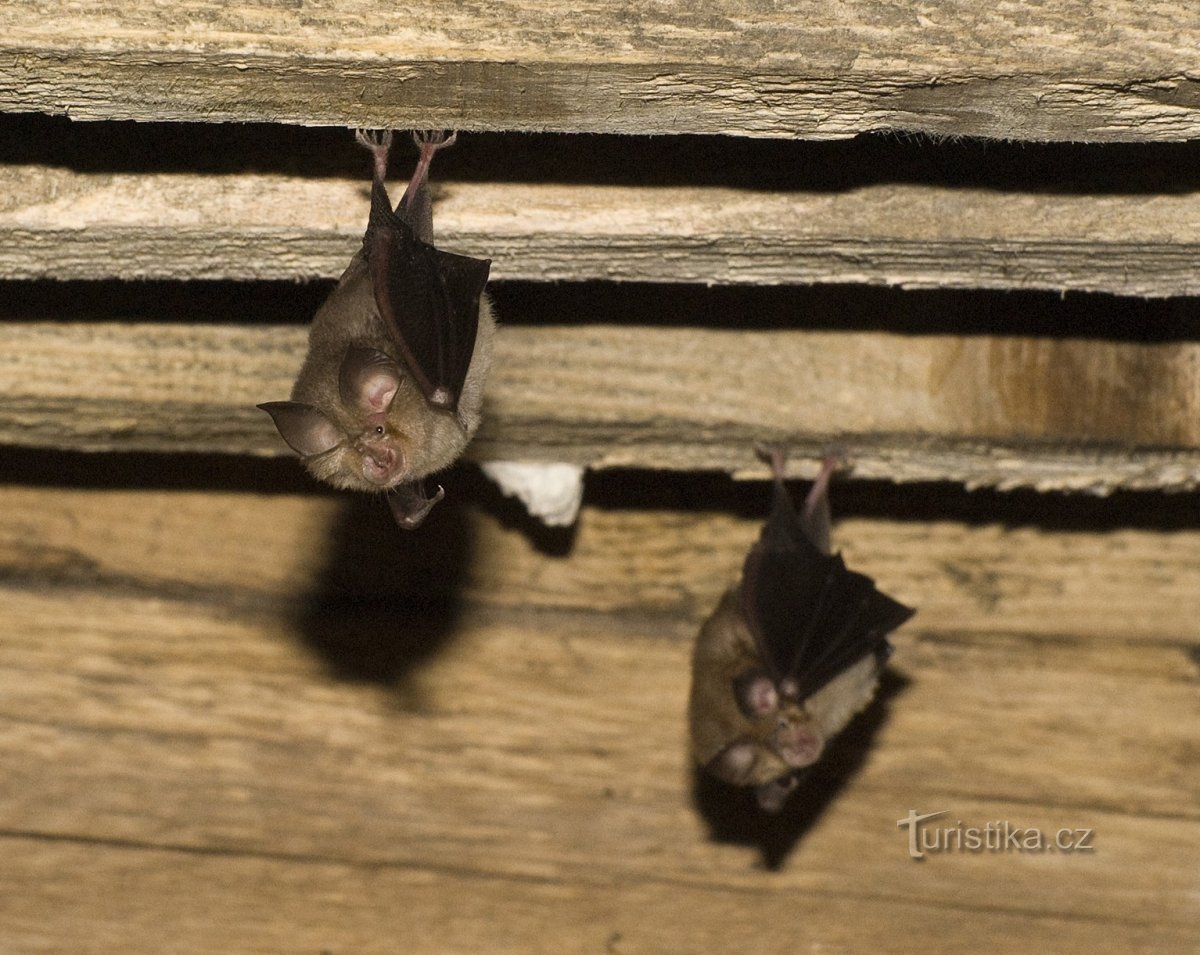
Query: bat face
point(789, 656)
point(357, 418)
point(391, 389)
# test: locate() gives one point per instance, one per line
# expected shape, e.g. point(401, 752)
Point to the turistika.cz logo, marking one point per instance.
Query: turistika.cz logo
point(999, 836)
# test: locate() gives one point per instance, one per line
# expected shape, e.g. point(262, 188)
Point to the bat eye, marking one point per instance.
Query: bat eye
point(379, 429)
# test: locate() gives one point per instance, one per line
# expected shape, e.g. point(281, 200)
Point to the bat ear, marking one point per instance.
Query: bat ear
point(368, 379)
point(734, 762)
point(755, 693)
point(306, 430)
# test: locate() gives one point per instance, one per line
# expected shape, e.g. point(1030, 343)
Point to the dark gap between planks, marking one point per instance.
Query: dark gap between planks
point(682, 160)
point(850, 308)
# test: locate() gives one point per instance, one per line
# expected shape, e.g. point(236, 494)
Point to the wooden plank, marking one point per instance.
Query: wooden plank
point(1065, 70)
point(60, 224)
point(536, 761)
point(272, 904)
point(985, 410)
point(259, 547)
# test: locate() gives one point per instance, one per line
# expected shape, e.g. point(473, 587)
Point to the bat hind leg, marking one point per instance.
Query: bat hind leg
point(429, 141)
point(434, 139)
point(815, 517)
point(379, 141)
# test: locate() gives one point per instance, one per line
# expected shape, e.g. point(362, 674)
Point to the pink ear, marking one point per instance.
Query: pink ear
point(734, 762)
point(368, 379)
point(306, 430)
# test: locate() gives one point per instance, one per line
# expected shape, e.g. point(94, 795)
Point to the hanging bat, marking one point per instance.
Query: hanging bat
point(791, 653)
point(392, 387)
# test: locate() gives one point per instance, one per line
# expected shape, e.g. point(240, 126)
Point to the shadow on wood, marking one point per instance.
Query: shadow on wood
point(387, 599)
point(733, 816)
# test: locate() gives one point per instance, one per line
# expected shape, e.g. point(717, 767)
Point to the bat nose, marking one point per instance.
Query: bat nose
point(798, 744)
point(380, 464)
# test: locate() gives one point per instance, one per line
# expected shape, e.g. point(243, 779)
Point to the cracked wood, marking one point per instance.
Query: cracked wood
point(1062, 70)
point(63, 225)
point(1005, 411)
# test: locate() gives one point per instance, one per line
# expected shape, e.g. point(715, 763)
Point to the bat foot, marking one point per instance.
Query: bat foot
point(379, 141)
point(374, 139)
point(774, 456)
point(429, 141)
point(434, 139)
point(836, 458)
point(816, 504)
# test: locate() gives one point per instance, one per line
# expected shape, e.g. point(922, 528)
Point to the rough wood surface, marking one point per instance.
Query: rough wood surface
point(63, 225)
point(985, 410)
point(980, 580)
point(1065, 69)
point(191, 762)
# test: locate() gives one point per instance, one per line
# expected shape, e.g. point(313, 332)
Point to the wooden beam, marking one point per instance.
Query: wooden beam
point(65, 225)
point(210, 702)
point(984, 410)
point(257, 550)
point(1062, 70)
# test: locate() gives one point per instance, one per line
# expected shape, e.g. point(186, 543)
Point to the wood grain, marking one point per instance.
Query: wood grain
point(985, 410)
point(260, 550)
point(64, 225)
point(238, 716)
point(1065, 70)
point(202, 752)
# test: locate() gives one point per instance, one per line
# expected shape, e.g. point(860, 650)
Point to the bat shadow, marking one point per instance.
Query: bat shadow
point(732, 813)
point(387, 599)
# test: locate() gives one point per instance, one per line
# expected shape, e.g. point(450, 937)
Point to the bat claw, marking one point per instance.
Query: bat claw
point(374, 139)
point(434, 139)
point(379, 141)
point(836, 458)
point(775, 456)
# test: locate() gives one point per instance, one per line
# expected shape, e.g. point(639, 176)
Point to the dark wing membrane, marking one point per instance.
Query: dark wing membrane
point(429, 300)
point(811, 617)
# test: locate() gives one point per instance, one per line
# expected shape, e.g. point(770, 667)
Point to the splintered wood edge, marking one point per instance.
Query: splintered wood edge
point(64, 225)
point(986, 411)
point(824, 70)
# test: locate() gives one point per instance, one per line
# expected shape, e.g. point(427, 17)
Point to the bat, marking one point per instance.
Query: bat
point(792, 652)
point(391, 389)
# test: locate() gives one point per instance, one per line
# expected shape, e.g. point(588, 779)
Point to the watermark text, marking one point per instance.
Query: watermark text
point(927, 837)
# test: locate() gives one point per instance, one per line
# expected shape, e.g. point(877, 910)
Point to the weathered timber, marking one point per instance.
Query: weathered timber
point(58, 895)
point(1065, 70)
point(160, 733)
point(985, 410)
point(64, 225)
point(263, 549)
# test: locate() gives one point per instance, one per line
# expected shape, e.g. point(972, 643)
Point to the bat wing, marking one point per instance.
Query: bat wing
point(428, 299)
point(810, 615)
